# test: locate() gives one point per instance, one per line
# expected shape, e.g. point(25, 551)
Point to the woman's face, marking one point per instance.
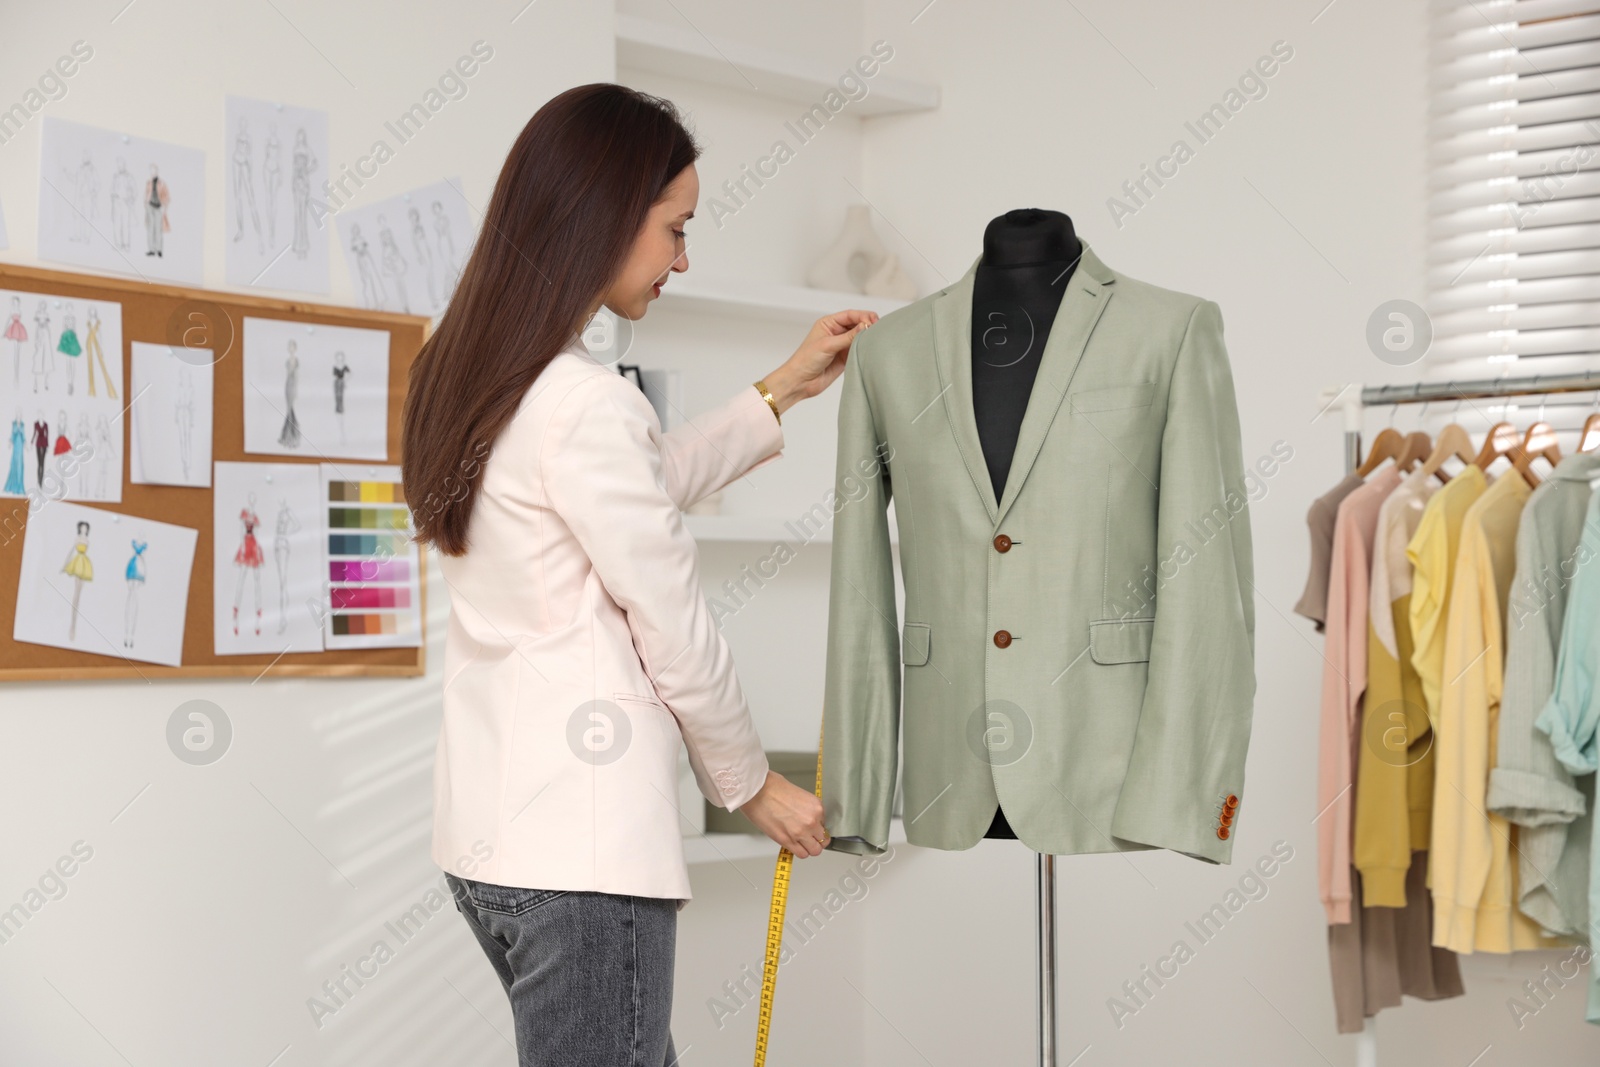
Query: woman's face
point(658, 250)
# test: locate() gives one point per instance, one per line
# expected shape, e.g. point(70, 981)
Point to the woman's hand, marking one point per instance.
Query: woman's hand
point(789, 815)
point(819, 359)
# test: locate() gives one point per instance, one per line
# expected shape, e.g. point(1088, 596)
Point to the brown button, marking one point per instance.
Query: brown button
point(1002, 543)
point(1232, 801)
point(1002, 638)
point(1222, 832)
point(1227, 817)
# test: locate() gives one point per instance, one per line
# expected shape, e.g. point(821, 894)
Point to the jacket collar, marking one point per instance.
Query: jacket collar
point(1579, 466)
point(1088, 293)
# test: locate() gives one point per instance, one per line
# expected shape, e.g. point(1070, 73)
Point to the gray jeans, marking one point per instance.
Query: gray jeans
point(589, 975)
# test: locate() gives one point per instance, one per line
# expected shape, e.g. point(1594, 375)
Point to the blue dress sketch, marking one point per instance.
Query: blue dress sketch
point(134, 573)
point(14, 483)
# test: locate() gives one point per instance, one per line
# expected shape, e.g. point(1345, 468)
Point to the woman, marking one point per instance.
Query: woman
point(581, 654)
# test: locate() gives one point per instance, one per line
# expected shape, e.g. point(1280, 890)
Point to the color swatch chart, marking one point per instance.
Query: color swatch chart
point(373, 577)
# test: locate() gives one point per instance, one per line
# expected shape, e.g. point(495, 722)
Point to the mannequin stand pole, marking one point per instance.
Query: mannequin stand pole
point(1045, 895)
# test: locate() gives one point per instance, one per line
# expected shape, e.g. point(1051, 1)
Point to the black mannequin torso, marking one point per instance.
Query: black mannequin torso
point(1028, 258)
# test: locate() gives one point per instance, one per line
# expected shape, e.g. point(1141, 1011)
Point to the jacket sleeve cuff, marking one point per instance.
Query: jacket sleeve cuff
point(1532, 800)
point(1383, 887)
point(732, 786)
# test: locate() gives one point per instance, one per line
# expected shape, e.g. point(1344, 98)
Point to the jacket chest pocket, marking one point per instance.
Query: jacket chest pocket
point(1112, 398)
point(916, 640)
point(1121, 640)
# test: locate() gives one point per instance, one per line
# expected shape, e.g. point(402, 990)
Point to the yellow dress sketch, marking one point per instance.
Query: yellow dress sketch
point(78, 564)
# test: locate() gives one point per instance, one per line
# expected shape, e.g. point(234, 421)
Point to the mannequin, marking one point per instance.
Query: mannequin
point(1028, 258)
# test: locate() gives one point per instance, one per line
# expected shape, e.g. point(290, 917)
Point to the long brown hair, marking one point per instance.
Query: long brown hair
point(571, 197)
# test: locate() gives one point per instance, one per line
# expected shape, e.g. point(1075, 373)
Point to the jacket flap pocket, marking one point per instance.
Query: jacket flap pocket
point(1121, 640)
point(1138, 395)
point(914, 642)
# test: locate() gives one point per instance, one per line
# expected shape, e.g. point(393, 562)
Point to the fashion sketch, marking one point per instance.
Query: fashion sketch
point(134, 573)
point(287, 524)
point(341, 371)
point(156, 225)
point(419, 241)
point(82, 570)
point(105, 451)
point(16, 333)
point(43, 359)
point(85, 190)
point(447, 242)
point(16, 484)
point(272, 178)
point(41, 445)
point(371, 287)
point(93, 354)
point(289, 436)
point(394, 264)
point(183, 416)
point(244, 188)
point(62, 443)
point(248, 558)
point(300, 187)
point(95, 459)
point(122, 198)
point(67, 344)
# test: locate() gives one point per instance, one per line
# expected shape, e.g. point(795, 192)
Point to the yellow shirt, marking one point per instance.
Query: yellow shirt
point(1469, 865)
point(1432, 555)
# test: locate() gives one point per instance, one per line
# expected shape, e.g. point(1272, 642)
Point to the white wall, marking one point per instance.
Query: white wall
point(219, 898)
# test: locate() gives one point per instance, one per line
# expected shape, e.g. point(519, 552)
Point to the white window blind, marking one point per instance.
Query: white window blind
point(1514, 197)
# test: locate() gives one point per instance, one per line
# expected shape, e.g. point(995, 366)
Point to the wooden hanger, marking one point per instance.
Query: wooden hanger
point(1540, 440)
point(1387, 445)
point(1589, 437)
point(1453, 441)
point(1418, 445)
point(1501, 440)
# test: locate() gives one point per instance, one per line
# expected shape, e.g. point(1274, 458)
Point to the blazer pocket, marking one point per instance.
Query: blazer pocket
point(1121, 640)
point(915, 640)
point(1114, 398)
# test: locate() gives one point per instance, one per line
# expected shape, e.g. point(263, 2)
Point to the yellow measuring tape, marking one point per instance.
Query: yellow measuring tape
point(780, 904)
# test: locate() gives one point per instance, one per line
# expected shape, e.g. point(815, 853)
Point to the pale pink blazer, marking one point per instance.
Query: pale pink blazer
point(581, 654)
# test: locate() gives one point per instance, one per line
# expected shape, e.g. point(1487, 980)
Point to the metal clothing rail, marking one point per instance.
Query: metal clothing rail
point(1354, 399)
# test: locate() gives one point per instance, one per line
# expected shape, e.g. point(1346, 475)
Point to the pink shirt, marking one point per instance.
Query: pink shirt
point(1344, 680)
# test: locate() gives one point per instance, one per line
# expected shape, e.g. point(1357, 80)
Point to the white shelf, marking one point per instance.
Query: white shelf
point(727, 848)
point(682, 52)
point(765, 529)
point(781, 303)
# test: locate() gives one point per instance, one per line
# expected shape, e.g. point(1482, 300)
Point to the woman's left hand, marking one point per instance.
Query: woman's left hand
point(819, 359)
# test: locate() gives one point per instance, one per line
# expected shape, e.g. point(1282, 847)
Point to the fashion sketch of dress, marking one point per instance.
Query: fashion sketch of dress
point(183, 415)
point(341, 370)
point(106, 453)
point(244, 188)
point(93, 354)
point(303, 164)
point(371, 286)
point(15, 483)
point(394, 263)
point(156, 225)
point(419, 242)
point(447, 242)
point(41, 446)
point(134, 573)
point(86, 189)
point(287, 524)
point(289, 436)
point(16, 333)
point(272, 178)
point(43, 359)
point(62, 442)
point(248, 558)
point(67, 343)
point(122, 197)
point(81, 568)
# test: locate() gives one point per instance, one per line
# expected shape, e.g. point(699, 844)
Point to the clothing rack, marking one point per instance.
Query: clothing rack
point(1354, 399)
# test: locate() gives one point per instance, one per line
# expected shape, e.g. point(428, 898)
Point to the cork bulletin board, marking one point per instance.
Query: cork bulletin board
point(197, 318)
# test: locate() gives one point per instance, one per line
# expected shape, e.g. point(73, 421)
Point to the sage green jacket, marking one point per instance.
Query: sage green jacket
point(1117, 715)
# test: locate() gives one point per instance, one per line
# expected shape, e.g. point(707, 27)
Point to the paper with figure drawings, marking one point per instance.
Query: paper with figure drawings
point(276, 160)
point(405, 253)
point(267, 587)
point(104, 582)
point(316, 390)
point(169, 442)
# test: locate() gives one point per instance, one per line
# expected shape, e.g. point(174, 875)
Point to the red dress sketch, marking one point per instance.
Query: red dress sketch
point(249, 553)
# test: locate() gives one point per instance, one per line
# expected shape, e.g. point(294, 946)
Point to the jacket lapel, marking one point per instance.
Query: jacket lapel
point(1087, 294)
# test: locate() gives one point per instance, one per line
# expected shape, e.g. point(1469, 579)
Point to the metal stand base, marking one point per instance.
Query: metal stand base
point(1045, 896)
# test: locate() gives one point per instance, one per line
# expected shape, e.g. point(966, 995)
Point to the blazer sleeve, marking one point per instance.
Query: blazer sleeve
point(1194, 724)
point(603, 475)
point(725, 443)
point(861, 700)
